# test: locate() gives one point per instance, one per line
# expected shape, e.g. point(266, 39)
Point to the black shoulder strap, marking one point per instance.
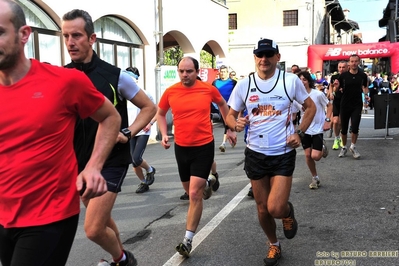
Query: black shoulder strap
point(249, 86)
point(253, 76)
point(285, 88)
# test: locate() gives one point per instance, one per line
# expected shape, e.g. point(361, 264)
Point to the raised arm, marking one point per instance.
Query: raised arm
point(108, 129)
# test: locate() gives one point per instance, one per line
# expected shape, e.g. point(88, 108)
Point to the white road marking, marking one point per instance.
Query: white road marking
point(177, 259)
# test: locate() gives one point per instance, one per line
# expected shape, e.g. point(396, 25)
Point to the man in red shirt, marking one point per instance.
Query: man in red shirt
point(190, 101)
point(39, 181)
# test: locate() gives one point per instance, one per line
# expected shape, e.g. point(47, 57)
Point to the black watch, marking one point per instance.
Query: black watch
point(328, 120)
point(127, 133)
point(300, 133)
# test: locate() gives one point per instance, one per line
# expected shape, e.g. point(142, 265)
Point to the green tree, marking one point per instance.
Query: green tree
point(207, 60)
point(173, 55)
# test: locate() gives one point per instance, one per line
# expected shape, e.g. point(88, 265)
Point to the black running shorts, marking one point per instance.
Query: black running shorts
point(313, 141)
point(258, 165)
point(194, 161)
point(46, 245)
point(114, 177)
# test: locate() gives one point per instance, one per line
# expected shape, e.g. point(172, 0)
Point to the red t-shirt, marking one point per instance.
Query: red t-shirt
point(191, 112)
point(38, 167)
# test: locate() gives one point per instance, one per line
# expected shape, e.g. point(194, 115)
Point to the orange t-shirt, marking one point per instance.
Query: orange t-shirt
point(191, 109)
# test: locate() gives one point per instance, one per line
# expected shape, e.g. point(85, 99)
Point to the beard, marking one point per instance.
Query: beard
point(10, 59)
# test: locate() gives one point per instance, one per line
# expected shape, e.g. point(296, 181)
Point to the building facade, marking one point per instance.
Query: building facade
point(293, 24)
point(131, 32)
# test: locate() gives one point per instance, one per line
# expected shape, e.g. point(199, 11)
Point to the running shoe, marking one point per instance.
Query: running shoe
point(315, 183)
point(215, 186)
point(184, 196)
point(103, 263)
point(130, 260)
point(290, 225)
point(150, 177)
point(273, 255)
point(222, 147)
point(337, 144)
point(143, 187)
point(184, 248)
point(343, 152)
point(355, 153)
point(208, 189)
point(325, 149)
point(250, 193)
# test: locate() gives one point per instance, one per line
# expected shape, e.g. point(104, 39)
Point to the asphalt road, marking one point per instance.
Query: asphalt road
point(347, 220)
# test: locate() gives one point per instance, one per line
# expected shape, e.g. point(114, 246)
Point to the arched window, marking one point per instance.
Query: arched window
point(117, 43)
point(45, 41)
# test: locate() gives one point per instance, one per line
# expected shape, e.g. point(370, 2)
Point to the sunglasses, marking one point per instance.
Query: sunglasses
point(268, 54)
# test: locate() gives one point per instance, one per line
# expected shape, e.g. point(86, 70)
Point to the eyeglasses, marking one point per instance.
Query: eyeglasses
point(268, 54)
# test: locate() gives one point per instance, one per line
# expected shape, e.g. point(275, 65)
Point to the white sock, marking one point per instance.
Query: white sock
point(189, 235)
point(275, 244)
point(316, 177)
point(123, 257)
point(150, 169)
point(352, 145)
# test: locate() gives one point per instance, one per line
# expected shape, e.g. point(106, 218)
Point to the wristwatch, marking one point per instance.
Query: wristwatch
point(328, 120)
point(300, 133)
point(127, 133)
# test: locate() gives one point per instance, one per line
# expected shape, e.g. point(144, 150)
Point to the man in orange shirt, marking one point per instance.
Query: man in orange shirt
point(190, 101)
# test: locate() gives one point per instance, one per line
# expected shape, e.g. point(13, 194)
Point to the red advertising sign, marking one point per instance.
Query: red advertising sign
point(208, 74)
point(319, 53)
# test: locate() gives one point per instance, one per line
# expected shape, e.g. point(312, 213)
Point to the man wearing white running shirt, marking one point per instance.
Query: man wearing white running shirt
point(272, 139)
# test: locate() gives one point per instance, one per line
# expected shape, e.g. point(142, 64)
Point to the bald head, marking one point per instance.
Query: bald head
point(16, 14)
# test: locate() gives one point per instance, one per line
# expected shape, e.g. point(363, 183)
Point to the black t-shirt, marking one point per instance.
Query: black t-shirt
point(352, 88)
point(338, 92)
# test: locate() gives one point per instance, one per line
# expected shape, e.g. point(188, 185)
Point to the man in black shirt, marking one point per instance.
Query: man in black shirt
point(119, 87)
point(336, 96)
point(352, 83)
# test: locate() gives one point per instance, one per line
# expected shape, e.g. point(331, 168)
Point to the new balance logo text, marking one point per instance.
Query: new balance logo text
point(333, 51)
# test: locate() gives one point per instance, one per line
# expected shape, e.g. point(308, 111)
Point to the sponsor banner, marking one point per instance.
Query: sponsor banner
point(319, 53)
point(208, 74)
point(169, 76)
point(339, 52)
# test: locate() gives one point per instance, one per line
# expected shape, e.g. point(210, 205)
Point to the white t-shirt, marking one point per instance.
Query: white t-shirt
point(133, 111)
point(321, 101)
point(269, 110)
point(127, 86)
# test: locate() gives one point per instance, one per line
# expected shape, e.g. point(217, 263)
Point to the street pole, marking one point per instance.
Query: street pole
point(160, 60)
point(160, 32)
